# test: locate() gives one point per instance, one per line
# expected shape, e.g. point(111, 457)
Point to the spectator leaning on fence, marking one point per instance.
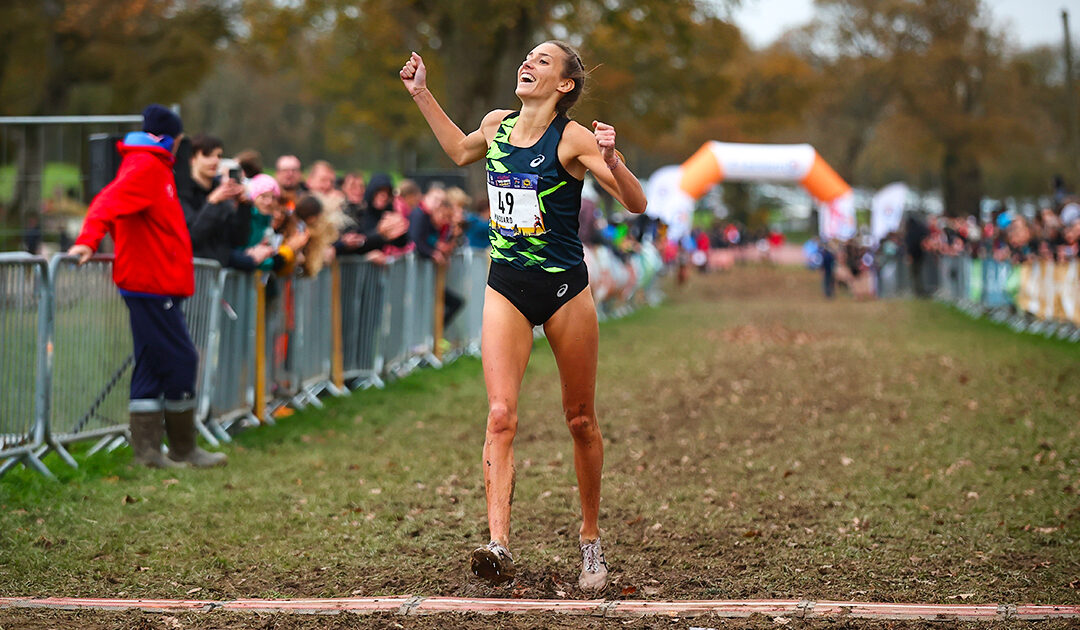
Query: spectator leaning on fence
point(154, 271)
point(282, 250)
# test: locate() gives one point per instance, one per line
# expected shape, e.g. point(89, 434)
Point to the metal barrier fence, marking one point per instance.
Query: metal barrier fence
point(67, 351)
point(233, 392)
point(92, 355)
point(1038, 296)
point(24, 296)
point(421, 332)
point(310, 345)
point(467, 278)
point(202, 312)
point(363, 296)
point(396, 305)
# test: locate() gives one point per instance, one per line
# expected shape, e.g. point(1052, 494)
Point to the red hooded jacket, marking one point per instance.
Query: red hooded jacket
point(140, 210)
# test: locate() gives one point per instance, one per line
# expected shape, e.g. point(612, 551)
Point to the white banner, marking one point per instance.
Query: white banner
point(887, 210)
point(763, 162)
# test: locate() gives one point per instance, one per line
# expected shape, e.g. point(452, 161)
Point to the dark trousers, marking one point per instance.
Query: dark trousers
point(166, 360)
point(452, 303)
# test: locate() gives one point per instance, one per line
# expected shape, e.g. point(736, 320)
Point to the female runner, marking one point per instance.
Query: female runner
point(536, 159)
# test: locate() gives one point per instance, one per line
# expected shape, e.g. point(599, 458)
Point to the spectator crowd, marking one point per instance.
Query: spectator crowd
point(247, 219)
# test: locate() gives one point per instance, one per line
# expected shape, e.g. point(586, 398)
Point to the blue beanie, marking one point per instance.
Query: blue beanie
point(161, 121)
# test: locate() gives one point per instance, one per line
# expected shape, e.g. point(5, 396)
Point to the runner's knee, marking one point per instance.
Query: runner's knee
point(501, 419)
point(582, 425)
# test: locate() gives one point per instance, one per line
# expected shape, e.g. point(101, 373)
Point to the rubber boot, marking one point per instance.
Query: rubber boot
point(146, 433)
point(180, 426)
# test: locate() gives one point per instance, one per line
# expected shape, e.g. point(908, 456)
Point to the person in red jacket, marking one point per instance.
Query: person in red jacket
point(154, 271)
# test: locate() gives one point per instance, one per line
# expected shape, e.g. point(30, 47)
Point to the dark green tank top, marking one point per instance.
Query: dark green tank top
point(534, 202)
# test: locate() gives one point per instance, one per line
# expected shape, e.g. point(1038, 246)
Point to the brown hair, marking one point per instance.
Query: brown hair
point(250, 162)
point(573, 69)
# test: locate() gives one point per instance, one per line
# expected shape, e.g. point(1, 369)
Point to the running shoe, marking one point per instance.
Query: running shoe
point(593, 566)
point(493, 563)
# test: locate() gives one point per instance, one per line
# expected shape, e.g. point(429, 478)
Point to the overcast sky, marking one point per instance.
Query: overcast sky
point(1030, 22)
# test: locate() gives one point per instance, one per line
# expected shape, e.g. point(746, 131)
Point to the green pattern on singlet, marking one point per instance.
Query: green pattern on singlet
point(559, 196)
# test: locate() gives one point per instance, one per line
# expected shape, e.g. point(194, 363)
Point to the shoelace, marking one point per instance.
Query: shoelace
point(593, 556)
point(499, 550)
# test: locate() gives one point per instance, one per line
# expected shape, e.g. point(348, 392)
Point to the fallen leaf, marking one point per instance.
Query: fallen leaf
point(128, 499)
point(636, 520)
point(962, 596)
point(194, 590)
point(844, 461)
point(781, 621)
point(629, 590)
point(170, 482)
point(751, 533)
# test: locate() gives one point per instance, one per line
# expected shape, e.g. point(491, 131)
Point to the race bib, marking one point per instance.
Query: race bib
point(515, 204)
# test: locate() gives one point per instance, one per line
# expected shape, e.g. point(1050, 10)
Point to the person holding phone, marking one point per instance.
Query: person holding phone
point(216, 207)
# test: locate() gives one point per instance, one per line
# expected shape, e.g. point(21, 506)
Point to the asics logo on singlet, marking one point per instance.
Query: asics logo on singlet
point(562, 291)
point(537, 161)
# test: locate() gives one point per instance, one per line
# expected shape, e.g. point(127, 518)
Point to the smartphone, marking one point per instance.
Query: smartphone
point(235, 174)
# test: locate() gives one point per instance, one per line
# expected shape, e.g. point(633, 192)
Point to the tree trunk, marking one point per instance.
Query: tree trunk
point(961, 182)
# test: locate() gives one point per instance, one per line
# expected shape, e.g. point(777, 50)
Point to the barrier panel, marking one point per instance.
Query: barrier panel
point(92, 355)
point(202, 314)
point(310, 347)
point(24, 297)
point(363, 297)
point(233, 364)
point(995, 284)
point(396, 308)
point(279, 317)
point(893, 277)
point(1067, 277)
point(420, 332)
point(467, 278)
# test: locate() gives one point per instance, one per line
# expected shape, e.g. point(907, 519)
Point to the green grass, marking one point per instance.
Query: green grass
point(761, 443)
point(56, 174)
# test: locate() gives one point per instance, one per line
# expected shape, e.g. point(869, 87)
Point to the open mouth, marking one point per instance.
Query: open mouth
point(525, 77)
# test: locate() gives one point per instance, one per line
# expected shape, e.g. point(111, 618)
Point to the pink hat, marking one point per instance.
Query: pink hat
point(263, 183)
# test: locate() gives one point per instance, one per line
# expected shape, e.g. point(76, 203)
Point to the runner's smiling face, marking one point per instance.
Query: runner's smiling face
point(541, 74)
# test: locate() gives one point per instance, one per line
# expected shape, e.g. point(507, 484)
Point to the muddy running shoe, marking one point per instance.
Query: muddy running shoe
point(493, 563)
point(593, 566)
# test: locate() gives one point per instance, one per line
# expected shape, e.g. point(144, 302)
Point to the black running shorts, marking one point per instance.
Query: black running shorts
point(537, 294)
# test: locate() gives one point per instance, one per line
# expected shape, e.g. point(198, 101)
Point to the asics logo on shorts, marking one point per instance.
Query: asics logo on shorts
point(562, 291)
point(537, 161)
